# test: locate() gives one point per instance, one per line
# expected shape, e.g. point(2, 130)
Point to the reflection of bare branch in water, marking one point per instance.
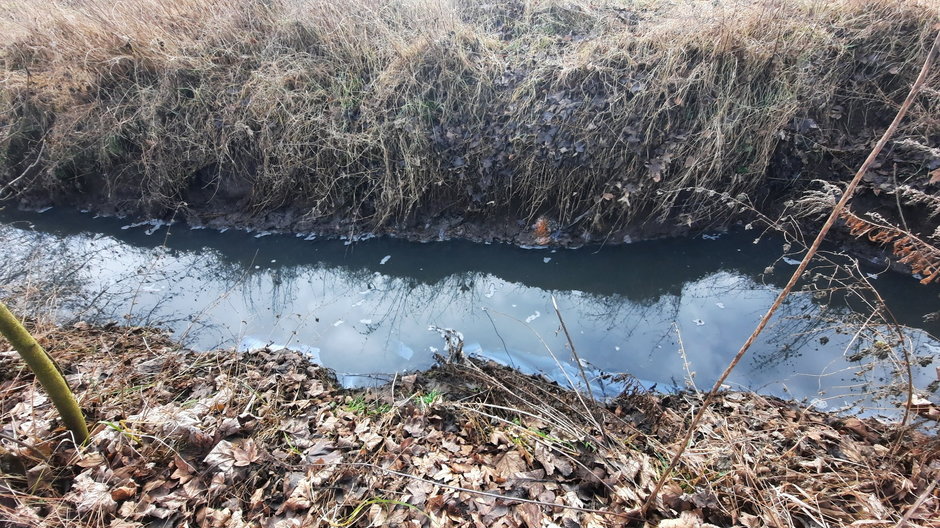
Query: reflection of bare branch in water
point(287, 296)
point(41, 277)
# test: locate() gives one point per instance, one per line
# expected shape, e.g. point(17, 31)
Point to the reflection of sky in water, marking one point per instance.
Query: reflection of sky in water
point(366, 308)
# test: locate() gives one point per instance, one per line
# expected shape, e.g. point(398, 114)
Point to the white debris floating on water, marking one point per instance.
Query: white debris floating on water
point(698, 322)
point(792, 262)
point(154, 225)
point(366, 321)
point(720, 305)
point(533, 317)
point(385, 259)
point(489, 292)
point(547, 260)
point(338, 322)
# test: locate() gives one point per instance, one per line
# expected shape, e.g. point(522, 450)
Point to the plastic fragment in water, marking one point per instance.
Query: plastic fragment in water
point(385, 259)
point(698, 322)
point(533, 317)
point(338, 322)
point(547, 260)
point(720, 305)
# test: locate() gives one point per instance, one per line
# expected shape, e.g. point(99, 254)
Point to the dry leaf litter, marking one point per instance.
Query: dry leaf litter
point(268, 439)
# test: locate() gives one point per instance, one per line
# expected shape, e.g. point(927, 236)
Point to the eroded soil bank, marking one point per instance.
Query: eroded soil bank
point(267, 439)
point(608, 120)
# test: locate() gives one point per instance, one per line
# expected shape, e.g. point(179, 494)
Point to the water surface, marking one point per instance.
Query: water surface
point(671, 312)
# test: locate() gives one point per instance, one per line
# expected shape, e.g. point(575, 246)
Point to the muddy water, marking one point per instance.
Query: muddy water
point(670, 312)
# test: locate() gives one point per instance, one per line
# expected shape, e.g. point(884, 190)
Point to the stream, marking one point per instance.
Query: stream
point(670, 312)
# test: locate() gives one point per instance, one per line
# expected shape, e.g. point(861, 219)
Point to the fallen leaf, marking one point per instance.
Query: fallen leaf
point(245, 453)
point(124, 492)
point(509, 464)
point(687, 519)
point(90, 496)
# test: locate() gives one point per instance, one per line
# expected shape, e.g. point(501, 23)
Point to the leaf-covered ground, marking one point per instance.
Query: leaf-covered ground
point(182, 438)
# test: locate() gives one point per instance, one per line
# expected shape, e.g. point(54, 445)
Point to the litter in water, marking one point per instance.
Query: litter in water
point(385, 259)
point(533, 317)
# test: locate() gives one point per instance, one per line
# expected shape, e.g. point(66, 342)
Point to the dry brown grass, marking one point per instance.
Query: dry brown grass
point(596, 113)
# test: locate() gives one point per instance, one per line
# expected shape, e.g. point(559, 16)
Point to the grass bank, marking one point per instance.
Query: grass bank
point(415, 116)
point(268, 439)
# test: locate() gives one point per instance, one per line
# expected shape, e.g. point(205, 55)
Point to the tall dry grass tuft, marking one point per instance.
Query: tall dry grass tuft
point(383, 112)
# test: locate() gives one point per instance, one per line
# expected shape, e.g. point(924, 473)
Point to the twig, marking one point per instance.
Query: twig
point(836, 211)
point(893, 323)
point(584, 378)
point(685, 360)
point(559, 363)
point(26, 171)
point(917, 504)
point(26, 446)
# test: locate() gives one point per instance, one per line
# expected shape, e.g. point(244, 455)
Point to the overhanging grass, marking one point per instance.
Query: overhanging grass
point(599, 115)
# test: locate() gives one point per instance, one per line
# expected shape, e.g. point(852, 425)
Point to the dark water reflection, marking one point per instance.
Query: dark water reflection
point(365, 308)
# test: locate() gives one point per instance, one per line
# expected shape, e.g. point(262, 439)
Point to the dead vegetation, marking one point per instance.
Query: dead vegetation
point(267, 439)
point(389, 114)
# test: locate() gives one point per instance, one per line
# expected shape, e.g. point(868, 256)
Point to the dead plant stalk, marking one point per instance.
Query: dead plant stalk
point(824, 230)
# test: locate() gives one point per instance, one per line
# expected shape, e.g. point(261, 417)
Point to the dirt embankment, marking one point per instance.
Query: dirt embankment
point(268, 439)
point(471, 119)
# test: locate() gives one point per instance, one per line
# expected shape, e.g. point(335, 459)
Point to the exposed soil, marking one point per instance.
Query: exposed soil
point(268, 439)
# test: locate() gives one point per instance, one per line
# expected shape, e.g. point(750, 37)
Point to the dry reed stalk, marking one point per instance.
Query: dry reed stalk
point(824, 230)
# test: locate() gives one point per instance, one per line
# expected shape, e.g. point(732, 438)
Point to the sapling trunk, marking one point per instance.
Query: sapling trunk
point(46, 372)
